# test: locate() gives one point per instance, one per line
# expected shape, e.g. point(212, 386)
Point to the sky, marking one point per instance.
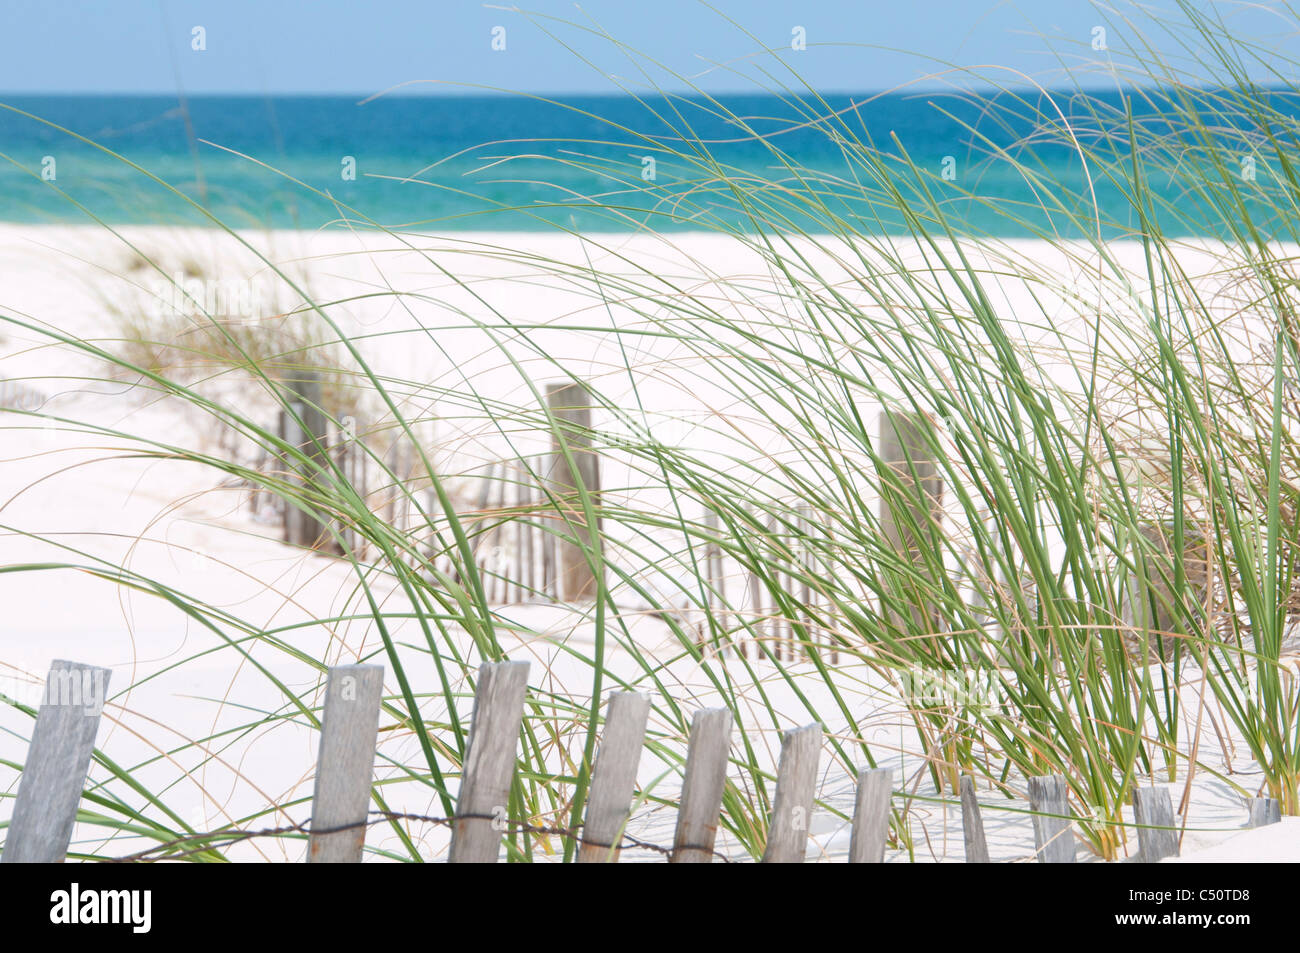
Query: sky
point(447, 46)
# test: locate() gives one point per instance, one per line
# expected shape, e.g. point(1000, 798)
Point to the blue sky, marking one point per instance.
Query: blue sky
point(348, 46)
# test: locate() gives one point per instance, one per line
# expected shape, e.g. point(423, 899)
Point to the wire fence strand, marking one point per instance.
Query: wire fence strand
point(225, 837)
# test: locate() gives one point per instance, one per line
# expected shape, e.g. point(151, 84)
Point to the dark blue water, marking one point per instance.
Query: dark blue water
point(988, 165)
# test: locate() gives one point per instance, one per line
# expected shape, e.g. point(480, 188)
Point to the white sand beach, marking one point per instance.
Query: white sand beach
point(441, 311)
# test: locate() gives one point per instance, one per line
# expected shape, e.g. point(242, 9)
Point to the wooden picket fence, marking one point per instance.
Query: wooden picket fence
point(744, 611)
point(517, 558)
point(62, 745)
point(513, 520)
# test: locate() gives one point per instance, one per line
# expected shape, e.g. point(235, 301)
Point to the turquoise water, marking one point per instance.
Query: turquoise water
point(436, 163)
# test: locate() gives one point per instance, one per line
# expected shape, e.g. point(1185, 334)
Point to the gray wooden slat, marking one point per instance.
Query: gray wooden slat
point(479, 542)
point(570, 405)
point(1154, 811)
point(756, 612)
point(493, 581)
point(777, 624)
point(1263, 811)
point(292, 434)
point(1053, 836)
point(706, 775)
point(527, 570)
point(489, 762)
point(972, 823)
point(819, 565)
point(713, 600)
point(346, 763)
point(58, 759)
point(911, 488)
point(1151, 604)
point(614, 777)
point(806, 632)
point(306, 429)
point(796, 782)
point(871, 816)
point(520, 531)
point(547, 541)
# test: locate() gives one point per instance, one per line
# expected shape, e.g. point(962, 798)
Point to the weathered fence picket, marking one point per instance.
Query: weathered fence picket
point(1157, 837)
point(910, 493)
point(574, 469)
point(304, 429)
point(759, 612)
point(871, 816)
point(613, 778)
point(1053, 833)
point(796, 787)
point(345, 765)
point(522, 537)
point(351, 461)
point(805, 631)
point(1263, 811)
point(527, 570)
point(63, 742)
point(706, 778)
point(716, 616)
point(58, 761)
point(972, 823)
point(489, 762)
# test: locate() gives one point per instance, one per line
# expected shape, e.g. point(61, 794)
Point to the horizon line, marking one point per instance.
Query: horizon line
point(397, 92)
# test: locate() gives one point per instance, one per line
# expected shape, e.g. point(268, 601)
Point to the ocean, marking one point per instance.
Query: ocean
point(611, 163)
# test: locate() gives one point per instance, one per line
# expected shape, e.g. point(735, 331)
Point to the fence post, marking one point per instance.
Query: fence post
point(1155, 813)
point(614, 777)
point(706, 776)
point(346, 763)
point(527, 529)
point(1152, 606)
point(58, 760)
point(871, 816)
point(350, 463)
point(304, 428)
point(796, 781)
point(1263, 811)
point(778, 625)
point(808, 633)
point(489, 763)
point(713, 595)
point(521, 531)
point(570, 405)
point(972, 823)
point(1053, 835)
point(757, 625)
point(910, 494)
point(478, 538)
